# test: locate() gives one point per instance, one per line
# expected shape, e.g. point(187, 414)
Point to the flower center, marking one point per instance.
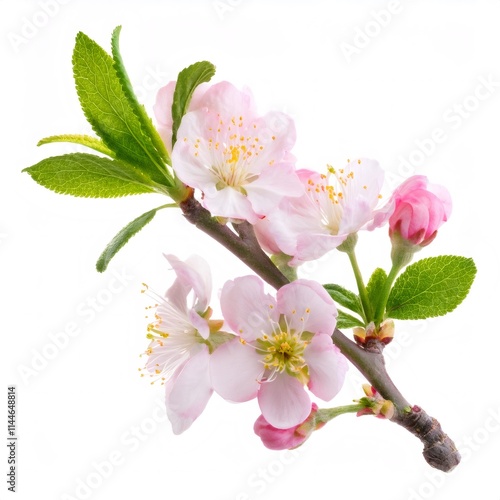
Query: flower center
point(283, 352)
point(233, 148)
point(330, 197)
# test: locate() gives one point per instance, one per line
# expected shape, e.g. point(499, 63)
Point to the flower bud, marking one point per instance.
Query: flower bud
point(286, 439)
point(375, 404)
point(418, 209)
point(384, 333)
point(359, 335)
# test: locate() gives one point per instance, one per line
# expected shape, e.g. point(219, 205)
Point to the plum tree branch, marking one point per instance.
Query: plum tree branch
point(439, 450)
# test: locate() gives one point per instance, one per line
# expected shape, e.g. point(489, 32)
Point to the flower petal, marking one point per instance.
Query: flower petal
point(312, 246)
point(284, 402)
point(223, 149)
point(163, 109)
point(307, 307)
point(246, 308)
point(194, 273)
point(327, 367)
point(273, 184)
point(188, 392)
point(230, 203)
point(235, 371)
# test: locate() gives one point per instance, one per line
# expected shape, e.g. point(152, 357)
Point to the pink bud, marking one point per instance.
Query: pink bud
point(420, 208)
point(286, 439)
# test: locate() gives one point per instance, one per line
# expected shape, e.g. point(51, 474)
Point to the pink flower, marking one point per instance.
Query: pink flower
point(238, 160)
point(333, 207)
point(163, 110)
point(286, 439)
point(283, 345)
point(417, 210)
point(177, 353)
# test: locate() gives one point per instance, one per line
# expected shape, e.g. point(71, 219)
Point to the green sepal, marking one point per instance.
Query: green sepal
point(187, 81)
point(89, 176)
point(431, 287)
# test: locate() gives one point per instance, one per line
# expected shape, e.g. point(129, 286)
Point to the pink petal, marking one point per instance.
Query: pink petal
point(246, 308)
point(283, 439)
point(163, 109)
point(188, 392)
point(273, 184)
point(230, 203)
point(266, 236)
point(307, 307)
point(228, 100)
point(312, 246)
point(163, 105)
point(194, 273)
point(276, 137)
point(201, 324)
point(277, 439)
point(284, 402)
point(235, 371)
point(327, 367)
point(192, 164)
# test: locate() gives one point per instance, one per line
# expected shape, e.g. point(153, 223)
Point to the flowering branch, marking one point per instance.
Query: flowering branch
point(439, 450)
point(256, 203)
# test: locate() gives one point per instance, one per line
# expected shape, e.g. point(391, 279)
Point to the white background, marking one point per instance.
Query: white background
point(413, 72)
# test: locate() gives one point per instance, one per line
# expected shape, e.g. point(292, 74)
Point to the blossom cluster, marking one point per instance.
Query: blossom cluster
point(276, 348)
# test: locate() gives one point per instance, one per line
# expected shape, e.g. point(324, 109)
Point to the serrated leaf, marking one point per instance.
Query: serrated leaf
point(83, 140)
point(129, 93)
point(431, 287)
point(345, 320)
point(345, 298)
point(90, 176)
point(187, 81)
point(375, 286)
point(108, 110)
point(122, 238)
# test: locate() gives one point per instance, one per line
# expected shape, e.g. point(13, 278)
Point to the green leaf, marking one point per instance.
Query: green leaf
point(108, 110)
point(129, 93)
point(83, 140)
point(122, 238)
point(90, 176)
point(375, 287)
point(431, 287)
point(345, 320)
point(187, 81)
point(345, 298)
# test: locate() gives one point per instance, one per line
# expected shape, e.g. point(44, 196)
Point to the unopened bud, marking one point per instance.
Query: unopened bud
point(369, 390)
point(387, 409)
point(386, 331)
point(375, 404)
point(359, 335)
